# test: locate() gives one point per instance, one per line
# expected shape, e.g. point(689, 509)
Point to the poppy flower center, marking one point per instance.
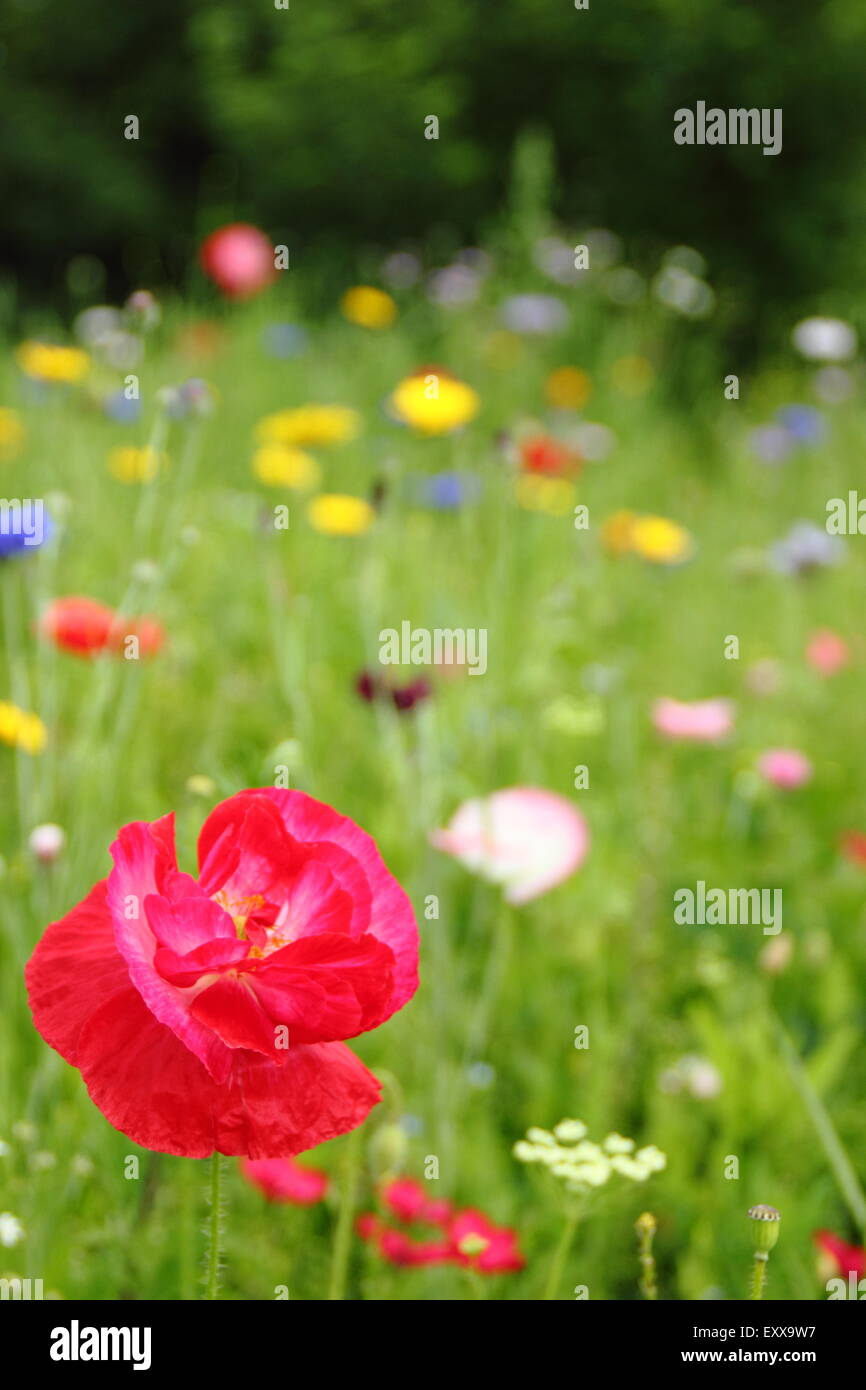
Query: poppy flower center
point(472, 1244)
point(239, 909)
point(255, 921)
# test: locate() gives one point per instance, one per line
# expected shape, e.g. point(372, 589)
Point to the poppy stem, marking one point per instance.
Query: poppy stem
point(213, 1253)
point(759, 1275)
point(837, 1155)
point(343, 1235)
point(562, 1249)
point(646, 1229)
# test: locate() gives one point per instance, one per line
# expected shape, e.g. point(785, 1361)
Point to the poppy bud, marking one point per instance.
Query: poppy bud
point(388, 1150)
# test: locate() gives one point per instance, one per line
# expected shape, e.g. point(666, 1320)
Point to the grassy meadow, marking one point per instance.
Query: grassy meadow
point(267, 630)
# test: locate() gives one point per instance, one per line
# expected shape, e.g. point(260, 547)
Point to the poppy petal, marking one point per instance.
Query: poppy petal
point(152, 1088)
point(75, 967)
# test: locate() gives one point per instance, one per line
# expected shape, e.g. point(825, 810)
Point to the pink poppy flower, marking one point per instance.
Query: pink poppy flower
point(209, 1014)
point(701, 721)
point(827, 652)
point(284, 1180)
point(408, 1201)
point(785, 768)
point(524, 838)
point(479, 1244)
point(239, 259)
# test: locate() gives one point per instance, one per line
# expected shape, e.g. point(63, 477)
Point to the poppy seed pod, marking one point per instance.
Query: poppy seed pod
point(765, 1227)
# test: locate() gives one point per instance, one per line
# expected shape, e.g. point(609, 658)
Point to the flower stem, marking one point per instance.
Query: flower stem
point(646, 1229)
point(559, 1258)
point(343, 1235)
point(213, 1253)
point(759, 1275)
point(837, 1156)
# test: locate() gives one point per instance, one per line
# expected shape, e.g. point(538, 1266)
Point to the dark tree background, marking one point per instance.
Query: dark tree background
point(310, 121)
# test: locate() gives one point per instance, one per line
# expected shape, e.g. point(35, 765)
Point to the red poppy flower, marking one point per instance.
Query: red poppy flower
point(478, 1244)
point(239, 259)
point(853, 844)
point(848, 1259)
point(209, 1015)
point(409, 1202)
point(543, 454)
point(398, 1247)
point(284, 1180)
point(468, 1238)
point(87, 628)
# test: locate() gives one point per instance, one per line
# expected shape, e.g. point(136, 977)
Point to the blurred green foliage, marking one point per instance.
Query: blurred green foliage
point(310, 121)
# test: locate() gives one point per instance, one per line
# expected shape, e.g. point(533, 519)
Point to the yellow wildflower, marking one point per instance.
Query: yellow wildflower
point(567, 388)
point(283, 467)
point(21, 730)
point(538, 494)
point(131, 465)
point(309, 425)
point(369, 307)
point(338, 514)
point(12, 432)
point(434, 402)
point(661, 541)
point(51, 362)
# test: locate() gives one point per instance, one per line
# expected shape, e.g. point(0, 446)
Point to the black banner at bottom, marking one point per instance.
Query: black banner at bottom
point(78, 1339)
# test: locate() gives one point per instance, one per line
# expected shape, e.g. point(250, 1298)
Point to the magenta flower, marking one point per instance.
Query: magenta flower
point(785, 768)
point(239, 259)
point(284, 1180)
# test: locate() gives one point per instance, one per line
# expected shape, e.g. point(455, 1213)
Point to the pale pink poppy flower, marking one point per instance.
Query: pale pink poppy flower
point(523, 838)
point(240, 259)
point(827, 652)
point(701, 721)
point(785, 767)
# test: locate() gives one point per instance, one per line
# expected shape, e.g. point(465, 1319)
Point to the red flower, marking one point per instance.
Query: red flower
point(544, 454)
point(284, 1180)
point(210, 1014)
point(478, 1244)
point(854, 846)
point(848, 1259)
point(406, 697)
point(467, 1238)
point(239, 259)
point(408, 1201)
point(87, 628)
point(398, 1247)
point(403, 697)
